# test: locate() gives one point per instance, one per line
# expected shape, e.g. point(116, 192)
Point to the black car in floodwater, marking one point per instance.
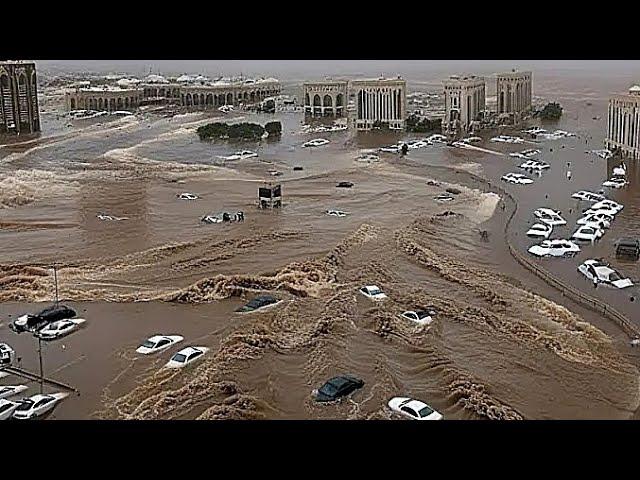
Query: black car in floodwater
point(345, 185)
point(258, 302)
point(36, 321)
point(337, 388)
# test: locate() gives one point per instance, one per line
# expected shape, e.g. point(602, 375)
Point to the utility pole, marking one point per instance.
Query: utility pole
point(41, 371)
point(55, 277)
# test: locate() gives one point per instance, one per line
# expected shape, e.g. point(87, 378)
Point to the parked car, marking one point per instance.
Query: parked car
point(38, 405)
point(516, 178)
point(548, 216)
point(372, 292)
point(540, 230)
point(599, 272)
point(7, 408)
point(7, 391)
point(607, 204)
point(7, 354)
point(36, 321)
point(588, 196)
point(60, 328)
point(413, 409)
point(337, 388)
point(588, 233)
point(555, 248)
point(158, 343)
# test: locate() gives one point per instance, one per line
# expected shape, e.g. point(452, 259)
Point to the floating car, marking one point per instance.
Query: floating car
point(540, 230)
point(615, 182)
point(413, 409)
point(620, 171)
point(7, 391)
point(297, 169)
point(38, 405)
point(534, 165)
point(337, 388)
point(187, 196)
point(600, 272)
point(525, 153)
point(370, 158)
point(588, 196)
point(318, 142)
point(555, 248)
point(336, 213)
point(436, 137)
point(421, 317)
point(344, 185)
point(372, 292)
point(260, 302)
point(60, 328)
point(34, 322)
point(516, 178)
point(111, 218)
point(390, 149)
point(588, 232)
point(7, 355)
point(443, 197)
point(415, 144)
point(223, 217)
point(7, 408)
point(628, 247)
point(472, 139)
point(158, 343)
point(186, 356)
point(507, 139)
point(607, 204)
point(611, 212)
point(548, 216)
point(595, 221)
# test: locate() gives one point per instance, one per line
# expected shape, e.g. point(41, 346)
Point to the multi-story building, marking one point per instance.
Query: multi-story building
point(381, 101)
point(464, 100)
point(326, 98)
point(18, 98)
point(513, 91)
point(623, 132)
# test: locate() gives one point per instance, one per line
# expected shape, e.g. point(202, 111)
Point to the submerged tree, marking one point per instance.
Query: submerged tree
point(274, 129)
point(551, 111)
point(423, 125)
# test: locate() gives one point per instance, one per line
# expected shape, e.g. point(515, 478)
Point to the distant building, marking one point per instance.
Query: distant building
point(464, 98)
point(513, 92)
point(623, 132)
point(104, 98)
point(325, 98)
point(381, 101)
point(18, 98)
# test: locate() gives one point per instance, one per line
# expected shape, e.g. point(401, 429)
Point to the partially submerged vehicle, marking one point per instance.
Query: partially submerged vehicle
point(258, 303)
point(223, 217)
point(186, 356)
point(337, 388)
point(589, 233)
point(506, 139)
point(471, 139)
point(7, 391)
point(34, 322)
point(243, 155)
point(110, 218)
point(443, 197)
point(413, 409)
point(421, 317)
point(158, 343)
point(555, 248)
point(344, 185)
point(620, 171)
point(317, 142)
point(605, 154)
point(536, 165)
point(628, 247)
point(526, 154)
point(7, 408)
point(225, 108)
point(549, 216)
point(615, 182)
point(540, 230)
point(436, 138)
point(372, 292)
point(187, 196)
point(336, 213)
point(369, 158)
point(607, 204)
point(38, 405)
point(60, 328)
point(415, 144)
point(516, 179)
point(587, 196)
point(7, 355)
point(599, 272)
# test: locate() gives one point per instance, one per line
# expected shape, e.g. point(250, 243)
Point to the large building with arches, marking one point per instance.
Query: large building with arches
point(464, 100)
point(326, 98)
point(18, 98)
point(105, 98)
point(513, 92)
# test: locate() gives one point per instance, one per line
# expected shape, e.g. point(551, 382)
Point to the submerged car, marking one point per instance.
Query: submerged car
point(337, 388)
point(187, 196)
point(555, 248)
point(370, 158)
point(421, 317)
point(60, 328)
point(158, 343)
point(7, 408)
point(548, 216)
point(344, 185)
point(7, 391)
point(628, 247)
point(413, 409)
point(336, 213)
point(443, 197)
point(318, 142)
point(516, 178)
point(615, 182)
point(415, 144)
point(243, 155)
point(589, 233)
point(534, 165)
point(588, 196)
point(7, 355)
point(607, 204)
point(257, 303)
point(540, 230)
point(34, 322)
point(600, 272)
point(38, 405)
point(372, 292)
point(186, 356)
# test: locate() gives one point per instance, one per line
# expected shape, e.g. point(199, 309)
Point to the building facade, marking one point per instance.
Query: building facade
point(108, 99)
point(623, 132)
point(513, 91)
point(464, 100)
point(378, 101)
point(18, 98)
point(326, 98)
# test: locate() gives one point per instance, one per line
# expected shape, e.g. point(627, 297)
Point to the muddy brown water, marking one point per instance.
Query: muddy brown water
point(503, 345)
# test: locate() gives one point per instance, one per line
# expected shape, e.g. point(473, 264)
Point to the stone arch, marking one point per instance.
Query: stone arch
point(126, 102)
point(196, 99)
point(209, 99)
point(252, 97)
point(202, 99)
point(316, 101)
point(307, 101)
point(220, 99)
point(229, 99)
point(119, 103)
point(189, 100)
point(112, 104)
point(339, 100)
point(100, 103)
point(327, 101)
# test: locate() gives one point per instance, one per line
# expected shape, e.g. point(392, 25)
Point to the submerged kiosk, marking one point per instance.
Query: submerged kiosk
point(270, 196)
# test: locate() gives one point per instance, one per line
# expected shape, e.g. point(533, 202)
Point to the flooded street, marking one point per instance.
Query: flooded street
point(504, 345)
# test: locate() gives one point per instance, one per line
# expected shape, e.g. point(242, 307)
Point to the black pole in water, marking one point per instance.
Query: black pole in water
point(41, 373)
point(55, 276)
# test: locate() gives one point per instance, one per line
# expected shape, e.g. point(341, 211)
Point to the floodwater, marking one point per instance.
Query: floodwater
point(503, 344)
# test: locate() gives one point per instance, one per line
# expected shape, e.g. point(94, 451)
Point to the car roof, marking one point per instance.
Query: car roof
point(416, 405)
point(38, 397)
point(189, 350)
point(372, 287)
point(156, 338)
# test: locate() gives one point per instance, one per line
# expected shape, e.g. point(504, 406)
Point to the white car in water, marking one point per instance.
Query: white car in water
point(471, 139)
point(607, 205)
point(369, 158)
point(421, 317)
point(110, 218)
point(601, 211)
point(38, 405)
point(7, 408)
point(600, 272)
point(336, 213)
point(390, 149)
point(187, 196)
point(588, 196)
point(548, 216)
point(318, 142)
point(436, 137)
point(413, 409)
point(589, 233)
point(532, 152)
point(615, 182)
point(243, 155)
point(186, 356)
point(225, 108)
point(7, 391)
point(507, 139)
point(534, 165)
point(516, 178)
point(620, 170)
point(60, 328)
point(158, 343)
point(555, 248)
point(372, 292)
point(601, 219)
point(540, 230)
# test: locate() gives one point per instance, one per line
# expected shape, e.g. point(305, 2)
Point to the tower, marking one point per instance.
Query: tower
point(18, 98)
